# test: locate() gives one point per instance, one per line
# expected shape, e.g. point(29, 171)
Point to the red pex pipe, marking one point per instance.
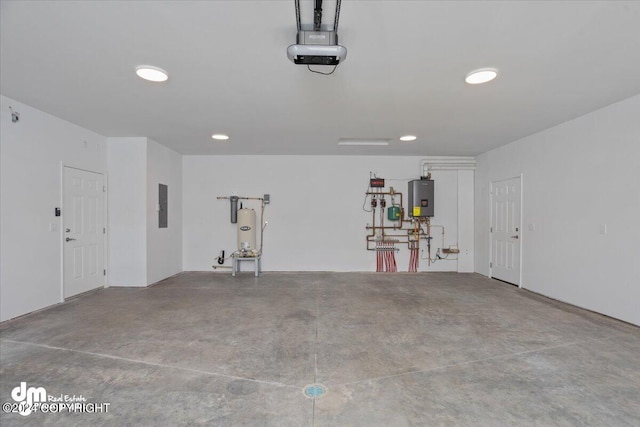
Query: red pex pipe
point(413, 261)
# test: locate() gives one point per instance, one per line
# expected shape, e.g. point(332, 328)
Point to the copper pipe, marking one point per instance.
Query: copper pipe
point(402, 212)
point(386, 227)
point(388, 193)
point(373, 232)
point(405, 239)
point(369, 240)
point(442, 234)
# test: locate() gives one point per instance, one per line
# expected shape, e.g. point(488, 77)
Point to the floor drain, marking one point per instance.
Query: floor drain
point(313, 391)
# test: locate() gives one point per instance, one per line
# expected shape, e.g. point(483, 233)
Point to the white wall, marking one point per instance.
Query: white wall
point(140, 253)
point(466, 258)
point(164, 245)
point(316, 221)
point(576, 176)
point(127, 220)
point(31, 153)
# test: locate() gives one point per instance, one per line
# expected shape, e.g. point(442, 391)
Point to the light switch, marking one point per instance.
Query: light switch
point(532, 227)
point(53, 226)
point(603, 228)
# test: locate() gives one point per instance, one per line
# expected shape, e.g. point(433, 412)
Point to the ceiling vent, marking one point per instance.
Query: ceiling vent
point(317, 44)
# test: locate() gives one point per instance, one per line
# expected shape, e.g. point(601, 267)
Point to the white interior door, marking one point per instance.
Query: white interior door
point(505, 230)
point(84, 233)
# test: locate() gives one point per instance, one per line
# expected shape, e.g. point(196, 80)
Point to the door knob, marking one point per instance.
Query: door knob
point(514, 237)
point(68, 239)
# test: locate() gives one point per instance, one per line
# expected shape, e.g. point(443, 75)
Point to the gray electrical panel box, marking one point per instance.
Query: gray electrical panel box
point(420, 198)
point(163, 206)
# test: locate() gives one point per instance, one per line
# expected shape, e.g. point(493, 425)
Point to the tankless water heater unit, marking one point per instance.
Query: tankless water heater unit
point(421, 193)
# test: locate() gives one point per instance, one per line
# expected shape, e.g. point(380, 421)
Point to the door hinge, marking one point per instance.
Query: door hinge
point(104, 188)
point(104, 272)
point(491, 229)
point(104, 230)
point(490, 265)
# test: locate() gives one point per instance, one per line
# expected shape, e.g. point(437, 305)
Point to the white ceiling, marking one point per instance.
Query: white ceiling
point(403, 74)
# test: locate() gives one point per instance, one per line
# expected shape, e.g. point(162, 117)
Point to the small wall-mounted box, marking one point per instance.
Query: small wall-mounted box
point(376, 182)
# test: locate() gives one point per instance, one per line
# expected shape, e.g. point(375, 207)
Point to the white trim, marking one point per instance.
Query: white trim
point(465, 221)
point(61, 226)
point(491, 229)
point(521, 229)
point(105, 216)
point(106, 227)
point(491, 184)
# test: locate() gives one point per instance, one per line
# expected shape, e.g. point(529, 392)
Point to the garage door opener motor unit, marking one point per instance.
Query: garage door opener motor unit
point(317, 44)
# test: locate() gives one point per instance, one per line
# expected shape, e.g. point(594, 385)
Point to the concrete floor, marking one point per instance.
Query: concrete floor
point(392, 350)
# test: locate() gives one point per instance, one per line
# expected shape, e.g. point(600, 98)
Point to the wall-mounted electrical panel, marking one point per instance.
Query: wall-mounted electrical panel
point(163, 206)
point(421, 193)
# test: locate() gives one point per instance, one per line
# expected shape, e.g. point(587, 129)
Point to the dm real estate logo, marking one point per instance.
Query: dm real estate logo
point(27, 398)
point(35, 399)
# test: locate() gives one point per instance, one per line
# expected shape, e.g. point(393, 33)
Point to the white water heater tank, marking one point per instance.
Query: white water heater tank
point(247, 230)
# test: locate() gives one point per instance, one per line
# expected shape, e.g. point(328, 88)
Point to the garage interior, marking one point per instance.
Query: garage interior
point(300, 223)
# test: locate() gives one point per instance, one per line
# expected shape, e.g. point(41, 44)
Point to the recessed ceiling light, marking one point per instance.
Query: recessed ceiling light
point(408, 138)
point(220, 136)
point(151, 73)
point(482, 75)
point(364, 141)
